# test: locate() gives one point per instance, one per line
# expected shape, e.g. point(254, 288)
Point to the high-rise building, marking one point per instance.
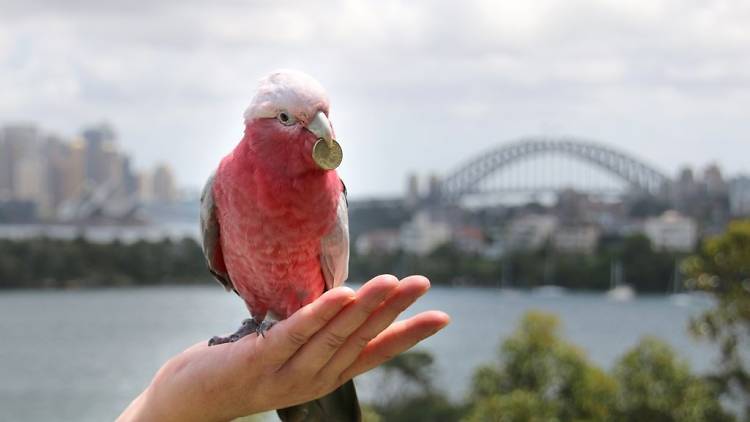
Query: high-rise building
point(129, 178)
point(24, 167)
point(66, 171)
point(87, 177)
point(684, 189)
point(714, 181)
point(433, 188)
point(164, 186)
point(411, 199)
point(572, 207)
point(100, 149)
point(15, 140)
point(114, 163)
point(739, 196)
point(6, 181)
point(145, 187)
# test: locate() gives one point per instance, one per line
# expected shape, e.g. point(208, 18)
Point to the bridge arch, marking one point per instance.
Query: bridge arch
point(466, 178)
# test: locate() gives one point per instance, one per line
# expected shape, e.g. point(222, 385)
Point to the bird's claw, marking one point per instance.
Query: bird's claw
point(249, 326)
point(264, 326)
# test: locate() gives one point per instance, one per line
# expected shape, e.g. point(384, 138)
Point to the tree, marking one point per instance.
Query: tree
point(541, 377)
point(416, 398)
point(519, 405)
point(645, 268)
point(722, 269)
point(654, 385)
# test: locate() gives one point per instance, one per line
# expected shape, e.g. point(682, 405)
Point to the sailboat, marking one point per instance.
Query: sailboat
point(618, 290)
point(678, 295)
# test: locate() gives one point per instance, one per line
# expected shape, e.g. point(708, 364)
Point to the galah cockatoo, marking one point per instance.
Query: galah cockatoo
point(274, 216)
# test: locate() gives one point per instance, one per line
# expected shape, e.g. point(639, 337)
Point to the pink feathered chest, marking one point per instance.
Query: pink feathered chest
point(271, 227)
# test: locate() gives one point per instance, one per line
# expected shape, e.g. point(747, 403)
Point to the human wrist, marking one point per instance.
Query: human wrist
point(153, 405)
point(136, 411)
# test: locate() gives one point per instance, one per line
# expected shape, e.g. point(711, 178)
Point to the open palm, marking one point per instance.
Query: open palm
point(340, 335)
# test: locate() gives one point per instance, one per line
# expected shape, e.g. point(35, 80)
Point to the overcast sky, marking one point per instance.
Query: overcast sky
point(415, 85)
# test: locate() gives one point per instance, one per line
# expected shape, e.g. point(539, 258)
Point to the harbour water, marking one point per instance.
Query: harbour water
point(103, 233)
point(83, 355)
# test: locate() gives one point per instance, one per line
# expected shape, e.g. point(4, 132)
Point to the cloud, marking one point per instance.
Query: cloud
point(404, 76)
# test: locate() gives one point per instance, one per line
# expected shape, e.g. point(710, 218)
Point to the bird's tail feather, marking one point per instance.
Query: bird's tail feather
point(341, 405)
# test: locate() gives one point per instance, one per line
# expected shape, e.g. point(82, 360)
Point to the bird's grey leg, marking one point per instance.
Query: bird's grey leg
point(249, 326)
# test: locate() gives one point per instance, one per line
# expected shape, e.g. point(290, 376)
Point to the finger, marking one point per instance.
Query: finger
point(287, 336)
point(313, 355)
point(398, 338)
point(408, 290)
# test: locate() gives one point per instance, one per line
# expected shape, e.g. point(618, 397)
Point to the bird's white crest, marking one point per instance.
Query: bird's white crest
point(288, 90)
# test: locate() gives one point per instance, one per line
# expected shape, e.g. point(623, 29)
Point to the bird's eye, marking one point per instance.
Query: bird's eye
point(286, 118)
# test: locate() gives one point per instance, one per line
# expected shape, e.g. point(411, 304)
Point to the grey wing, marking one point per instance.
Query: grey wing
point(210, 236)
point(334, 255)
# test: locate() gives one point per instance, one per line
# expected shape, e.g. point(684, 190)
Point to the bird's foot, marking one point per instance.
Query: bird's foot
point(264, 326)
point(249, 326)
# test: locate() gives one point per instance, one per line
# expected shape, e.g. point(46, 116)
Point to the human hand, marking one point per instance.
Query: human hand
point(340, 335)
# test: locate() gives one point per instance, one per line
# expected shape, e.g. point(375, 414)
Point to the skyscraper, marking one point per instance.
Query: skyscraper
point(66, 170)
point(164, 186)
point(714, 181)
point(24, 167)
point(739, 196)
point(99, 141)
point(6, 180)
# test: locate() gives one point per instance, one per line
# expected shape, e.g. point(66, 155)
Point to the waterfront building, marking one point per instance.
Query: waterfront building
point(576, 239)
point(379, 241)
point(672, 232)
point(529, 232)
point(423, 234)
point(470, 239)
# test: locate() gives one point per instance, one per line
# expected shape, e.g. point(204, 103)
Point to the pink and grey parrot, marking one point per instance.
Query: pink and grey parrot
point(274, 217)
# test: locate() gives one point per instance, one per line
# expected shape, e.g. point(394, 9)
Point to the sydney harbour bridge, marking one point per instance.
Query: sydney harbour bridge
point(538, 165)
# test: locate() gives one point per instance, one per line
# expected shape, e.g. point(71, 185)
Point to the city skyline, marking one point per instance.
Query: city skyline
point(87, 177)
point(667, 81)
point(105, 136)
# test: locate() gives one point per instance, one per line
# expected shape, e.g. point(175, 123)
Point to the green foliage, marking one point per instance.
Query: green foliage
point(647, 269)
point(656, 386)
point(44, 262)
point(415, 366)
point(582, 271)
point(370, 415)
point(424, 403)
point(540, 377)
point(722, 269)
point(254, 418)
point(431, 407)
point(516, 406)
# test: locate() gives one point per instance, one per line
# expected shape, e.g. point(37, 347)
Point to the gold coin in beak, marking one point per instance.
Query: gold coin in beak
point(327, 158)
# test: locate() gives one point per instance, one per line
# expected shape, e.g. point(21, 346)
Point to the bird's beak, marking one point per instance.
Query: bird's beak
point(321, 128)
